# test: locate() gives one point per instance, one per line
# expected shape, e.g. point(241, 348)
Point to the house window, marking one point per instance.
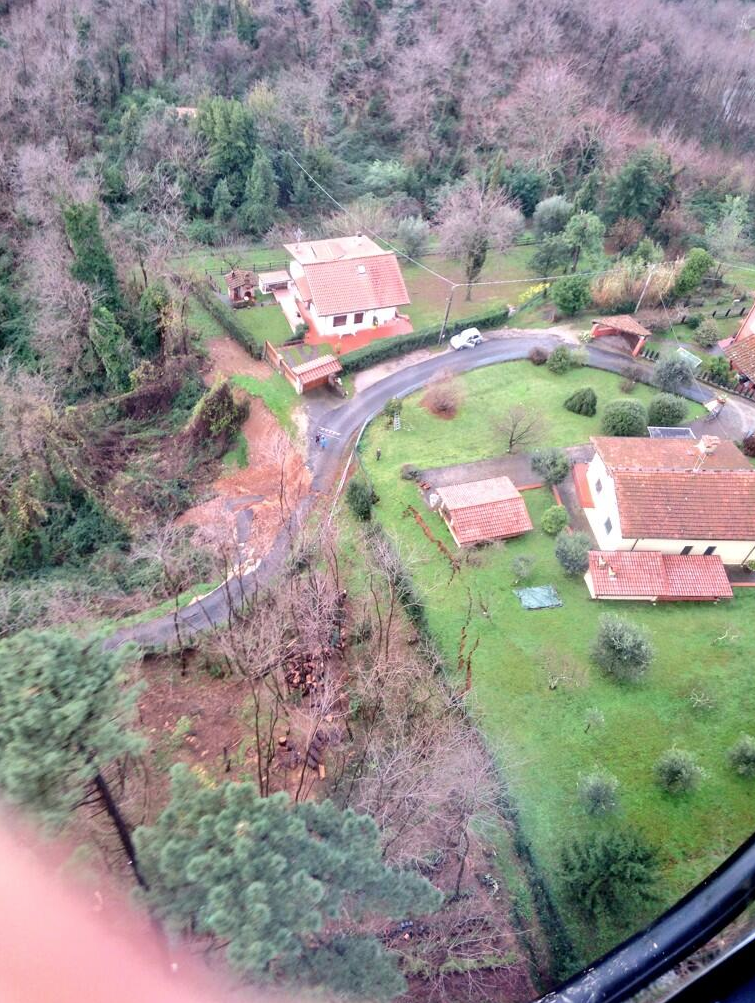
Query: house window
point(358, 317)
point(608, 525)
point(686, 550)
point(599, 485)
point(709, 550)
point(340, 320)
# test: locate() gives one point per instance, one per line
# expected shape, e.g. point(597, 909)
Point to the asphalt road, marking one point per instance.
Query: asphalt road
point(344, 422)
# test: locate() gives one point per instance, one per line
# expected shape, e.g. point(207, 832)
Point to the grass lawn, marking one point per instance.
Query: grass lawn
point(540, 733)
point(264, 324)
point(428, 294)
point(219, 260)
point(277, 393)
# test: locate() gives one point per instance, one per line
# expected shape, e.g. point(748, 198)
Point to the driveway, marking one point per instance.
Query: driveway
point(344, 420)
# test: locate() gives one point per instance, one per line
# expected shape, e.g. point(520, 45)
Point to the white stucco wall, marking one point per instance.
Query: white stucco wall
point(326, 326)
point(730, 551)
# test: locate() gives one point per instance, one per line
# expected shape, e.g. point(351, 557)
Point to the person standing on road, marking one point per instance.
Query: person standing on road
point(317, 439)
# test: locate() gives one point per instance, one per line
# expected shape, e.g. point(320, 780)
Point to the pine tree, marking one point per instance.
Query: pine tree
point(222, 206)
point(112, 348)
point(92, 261)
point(260, 196)
point(270, 877)
point(64, 720)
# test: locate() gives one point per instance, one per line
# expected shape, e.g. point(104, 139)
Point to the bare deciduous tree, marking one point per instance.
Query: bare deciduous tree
point(521, 425)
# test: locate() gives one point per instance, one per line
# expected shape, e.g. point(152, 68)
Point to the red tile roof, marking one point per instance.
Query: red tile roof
point(485, 510)
point(579, 476)
point(239, 278)
point(373, 282)
point(625, 324)
point(654, 575)
point(665, 454)
point(742, 355)
point(315, 369)
point(674, 505)
point(302, 287)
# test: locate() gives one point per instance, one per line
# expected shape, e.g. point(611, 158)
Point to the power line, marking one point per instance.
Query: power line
point(419, 264)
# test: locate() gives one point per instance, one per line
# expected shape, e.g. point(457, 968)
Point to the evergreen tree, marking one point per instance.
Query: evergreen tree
point(642, 188)
point(612, 871)
point(222, 206)
point(260, 196)
point(153, 306)
point(64, 720)
point(583, 234)
point(229, 129)
point(92, 262)
point(270, 878)
point(112, 348)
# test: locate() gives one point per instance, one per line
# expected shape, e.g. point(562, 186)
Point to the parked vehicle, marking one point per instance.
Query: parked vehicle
point(470, 338)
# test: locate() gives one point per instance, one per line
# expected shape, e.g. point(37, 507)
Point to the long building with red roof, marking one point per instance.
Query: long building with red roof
point(653, 577)
point(673, 496)
point(479, 511)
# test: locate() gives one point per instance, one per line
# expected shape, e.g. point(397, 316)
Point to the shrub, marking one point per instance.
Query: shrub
point(412, 236)
point(677, 771)
point(621, 649)
point(748, 444)
point(666, 409)
point(409, 472)
point(718, 369)
point(697, 264)
point(538, 356)
point(630, 380)
point(444, 396)
point(672, 374)
point(572, 551)
point(563, 359)
point(625, 417)
point(300, 331)
point(706, 334)
point(522, 567)
point(359, 500)
point(742, 756)
point(598, 793)
point(554, 520)
point(571, 294)
point(582, 401)
point(551, 215)
point(202, 231)
point(694, 321)
point(392, 408)
point(610, 871)
point(552, 464)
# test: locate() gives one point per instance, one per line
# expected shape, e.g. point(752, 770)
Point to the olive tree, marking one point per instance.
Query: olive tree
point(621, 649)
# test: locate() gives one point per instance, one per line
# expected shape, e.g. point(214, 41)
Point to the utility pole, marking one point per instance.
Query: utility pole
point(454, 287)
point(645, 287)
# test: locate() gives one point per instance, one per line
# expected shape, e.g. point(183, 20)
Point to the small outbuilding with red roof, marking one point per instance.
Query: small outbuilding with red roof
point(482, 511)
point(624, 330)
point(653, 577)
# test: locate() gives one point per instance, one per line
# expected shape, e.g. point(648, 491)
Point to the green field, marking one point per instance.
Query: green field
point(540, 733)
point(277, 393)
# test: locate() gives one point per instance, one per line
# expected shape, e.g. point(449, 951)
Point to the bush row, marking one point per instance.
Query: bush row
point(388, 348)
point(227, 321)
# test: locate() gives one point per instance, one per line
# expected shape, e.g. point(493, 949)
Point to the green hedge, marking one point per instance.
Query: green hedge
point(225, 318)
point(388, 348)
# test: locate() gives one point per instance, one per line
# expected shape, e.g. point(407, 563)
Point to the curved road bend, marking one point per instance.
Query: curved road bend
point(345, 419)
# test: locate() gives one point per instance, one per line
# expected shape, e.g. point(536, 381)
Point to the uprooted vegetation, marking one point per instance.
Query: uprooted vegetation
point(321, 690)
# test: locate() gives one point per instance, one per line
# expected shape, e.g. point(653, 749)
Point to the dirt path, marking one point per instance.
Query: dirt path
point(229, 359)
point(251, 505)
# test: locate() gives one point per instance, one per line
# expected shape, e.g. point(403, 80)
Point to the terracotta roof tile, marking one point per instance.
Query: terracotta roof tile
point(665, 576)
point(742, 355)
point(315, 369)
point(625, 324)
point(491, 509)
point(240, 277)
point(373, 282)
point(665, 454)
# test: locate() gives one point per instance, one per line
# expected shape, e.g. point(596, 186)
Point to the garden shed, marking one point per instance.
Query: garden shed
point(625, 330)
point(480, 511)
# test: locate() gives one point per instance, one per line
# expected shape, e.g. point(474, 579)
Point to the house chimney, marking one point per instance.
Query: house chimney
point(705, 447)
point(601, 561)
point(611, 572)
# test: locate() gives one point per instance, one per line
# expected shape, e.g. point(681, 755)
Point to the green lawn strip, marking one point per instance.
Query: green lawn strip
point(266, 323)
point(220, 259)
point(237, 456)
point(202, 324)
point(541, 732)
point(277, 393)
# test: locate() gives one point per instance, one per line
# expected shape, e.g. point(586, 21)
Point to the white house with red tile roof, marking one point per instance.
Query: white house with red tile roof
point(346, 284)
point(740, 350)
point(674, 496)
point(478, 511)
point(653, 577)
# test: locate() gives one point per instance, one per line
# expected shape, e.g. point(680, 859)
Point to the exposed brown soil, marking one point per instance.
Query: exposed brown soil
point(250, 505)
point(229, 359)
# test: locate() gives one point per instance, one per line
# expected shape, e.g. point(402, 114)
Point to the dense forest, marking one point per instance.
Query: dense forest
point(132, 131)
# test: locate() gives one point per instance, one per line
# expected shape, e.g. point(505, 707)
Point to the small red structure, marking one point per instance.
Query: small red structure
point(653, 577)
point(478, 511)
point(241, 284)
point(633, 334)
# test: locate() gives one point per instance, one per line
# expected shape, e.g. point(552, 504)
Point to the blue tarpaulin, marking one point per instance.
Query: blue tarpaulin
point(538, 597)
